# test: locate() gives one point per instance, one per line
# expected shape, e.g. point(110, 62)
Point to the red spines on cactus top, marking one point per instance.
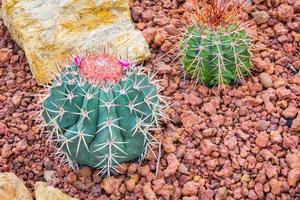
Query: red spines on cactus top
point(100, 67)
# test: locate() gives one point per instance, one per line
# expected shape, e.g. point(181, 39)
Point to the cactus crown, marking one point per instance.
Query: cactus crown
point(100, 68)
point(99, 113)
point(215, 48)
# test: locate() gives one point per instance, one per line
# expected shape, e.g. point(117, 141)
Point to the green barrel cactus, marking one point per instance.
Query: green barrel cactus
point(100, 112)
point(215, 48)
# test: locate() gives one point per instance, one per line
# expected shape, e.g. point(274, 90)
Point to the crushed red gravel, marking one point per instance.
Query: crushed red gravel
point(237, 143)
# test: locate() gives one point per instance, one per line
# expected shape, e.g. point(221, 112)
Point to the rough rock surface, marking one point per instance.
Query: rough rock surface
point(13, 188)
point(49, 31)
point(45, 192)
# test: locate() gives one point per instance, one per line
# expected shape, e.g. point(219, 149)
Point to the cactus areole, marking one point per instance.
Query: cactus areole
point(100, 112)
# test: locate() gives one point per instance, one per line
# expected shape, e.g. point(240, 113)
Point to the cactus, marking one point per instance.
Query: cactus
point(215, 48)
point(100, 112)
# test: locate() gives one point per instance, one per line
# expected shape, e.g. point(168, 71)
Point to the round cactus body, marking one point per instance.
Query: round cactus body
point(216, 56)
point(101, 113)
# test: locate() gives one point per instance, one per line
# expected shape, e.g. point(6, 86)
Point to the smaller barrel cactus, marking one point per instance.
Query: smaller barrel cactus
point(100, 112)
point(215, 48)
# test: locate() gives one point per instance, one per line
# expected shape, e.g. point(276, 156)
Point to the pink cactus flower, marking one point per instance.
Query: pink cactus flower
point(124, 63)
point(77, 60)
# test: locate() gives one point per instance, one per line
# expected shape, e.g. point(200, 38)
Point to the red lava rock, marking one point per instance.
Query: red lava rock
point(183, 169)
point(85, 172)
point(283, 61)
point(297, 7)
point(283, 38)
point(103, 197)
point(261, 64)
point(293, 176)
point(168, 145)
point(275, 186)
point(283, 93)
point(171, 30)
point(217, 120)
point(262, 140)
point(221, 193)
point(290, 141)
point(190, 188)
point(16, 99)
point(203, 90)
point(296, 36)
point(160, 37)
point(280, 83)
point(271, 171)
point(288, 47)
point(230, 141)
point(296, 124)
point(262, 125)
point(290, 112)
point(14, 59)
point(6, 151)
point(135, 13)
point(189, 119)
point(293, 160)
point(3, 128)
point(190, 198)
point(259, 190)
point(148, 15)
point(209, 132)
point(166, 46)
point(111, 184)
point(261, 177)
point(275, 137)
point(209, 108)
point(193, 99)
point(146, 172)
point(148, 192)
point(132, 168)
point(285, 13)
point(71, 178)
point(22, 145)
point(163, 68)
point(280, 29)
point(173, 164)
point(226, 171)
point(161, 21)
point(24, 127)
point(5, 55)
point(212, 164)
point(131, 183)
point(207, 147)
point(260, 17)
point(50, 176)
point(252, 195)
point(149, 34)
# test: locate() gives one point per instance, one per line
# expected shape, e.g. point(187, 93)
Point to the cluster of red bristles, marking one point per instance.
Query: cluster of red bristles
point(217, 13)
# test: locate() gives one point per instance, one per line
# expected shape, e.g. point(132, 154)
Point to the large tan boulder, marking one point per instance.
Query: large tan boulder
point(44, 192)
point(49, 31)
point(13, 188)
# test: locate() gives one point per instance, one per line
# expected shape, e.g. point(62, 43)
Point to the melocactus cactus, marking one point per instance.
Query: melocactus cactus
point(215, 48)
point(99, 111)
